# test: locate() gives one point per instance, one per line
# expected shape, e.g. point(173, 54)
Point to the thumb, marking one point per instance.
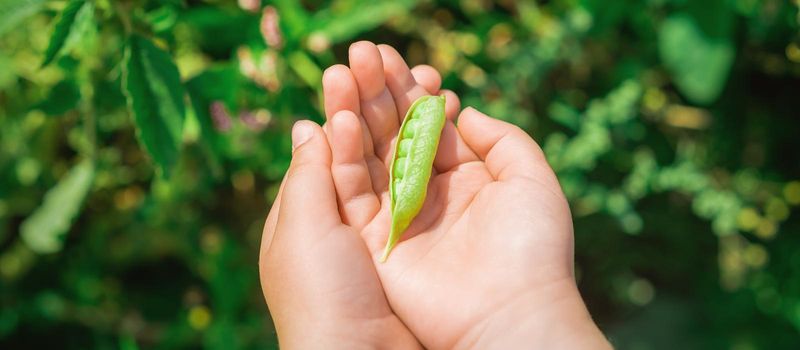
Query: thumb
point(305, 207)
point(308, 200)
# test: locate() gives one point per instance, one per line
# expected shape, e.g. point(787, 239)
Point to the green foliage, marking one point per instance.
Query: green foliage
point(671, 125)
point(63, 28)
point(593, 137)
point(700, 64)
point(44, 230)
point(12, 12)
point(155, 96)
point(338, 24)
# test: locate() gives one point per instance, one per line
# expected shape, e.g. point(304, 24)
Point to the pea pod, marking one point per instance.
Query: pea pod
point(412, 162)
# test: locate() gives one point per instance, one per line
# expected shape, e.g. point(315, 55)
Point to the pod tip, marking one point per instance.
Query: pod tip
point(385, 255)
point(387, 251)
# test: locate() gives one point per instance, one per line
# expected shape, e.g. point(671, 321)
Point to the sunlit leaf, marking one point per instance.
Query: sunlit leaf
point(346, 24)
point(12, 12)
point(83, 37)
point(699, 63)
point(163, 19)
point(62, 29)
point(305, 67)
point(44, 231)
point(293, 18)
point(155, 98)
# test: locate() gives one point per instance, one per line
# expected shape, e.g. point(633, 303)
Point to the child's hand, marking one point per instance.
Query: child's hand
point(487, 263)
point(316, 272)
point(317, 275)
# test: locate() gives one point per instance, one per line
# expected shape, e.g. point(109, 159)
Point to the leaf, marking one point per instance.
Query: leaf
point(155, 98)
point(12, 12)
point(306, 68)
point(347, 23)
point(63, 97)
point(218, 30)
point(163, 19)
point(8, 77)
point(44, 231)
point(700, 64)
point(83, 37)
point(64, 25)
point(220, 83)
point(294, 19)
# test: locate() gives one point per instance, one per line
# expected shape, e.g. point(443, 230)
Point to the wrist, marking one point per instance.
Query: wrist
point(387, 333)
point(552, 318)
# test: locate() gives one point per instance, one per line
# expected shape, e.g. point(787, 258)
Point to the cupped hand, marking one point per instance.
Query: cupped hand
point(488, 261)
point(317, 275)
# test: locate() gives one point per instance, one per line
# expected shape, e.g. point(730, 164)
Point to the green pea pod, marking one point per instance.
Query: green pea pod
point(412, 163)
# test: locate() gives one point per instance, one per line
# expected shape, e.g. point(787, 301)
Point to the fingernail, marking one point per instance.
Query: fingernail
point(301, 132)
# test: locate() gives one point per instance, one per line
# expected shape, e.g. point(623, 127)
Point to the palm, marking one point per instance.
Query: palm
point(475, 236)
point(494, 227)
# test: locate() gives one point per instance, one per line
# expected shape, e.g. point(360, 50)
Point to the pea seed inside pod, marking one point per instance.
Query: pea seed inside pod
point(410, 170)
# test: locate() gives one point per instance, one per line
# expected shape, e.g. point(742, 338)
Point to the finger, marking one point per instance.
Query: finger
point(272, 220)
point(452, 104)
point(340, 89)
point(377, 104)
point(505, 148)
point(428, 77)
point(309, 188)
point(341, 94)
point(357, 201)
point(401, 82)
point(453, 151)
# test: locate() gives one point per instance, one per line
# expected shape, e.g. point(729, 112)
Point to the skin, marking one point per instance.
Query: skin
point(488, 262)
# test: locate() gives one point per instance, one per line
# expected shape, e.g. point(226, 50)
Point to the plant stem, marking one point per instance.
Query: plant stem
point(122, 9)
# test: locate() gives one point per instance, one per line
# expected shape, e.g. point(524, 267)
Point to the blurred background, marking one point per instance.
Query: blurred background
point(142, 143)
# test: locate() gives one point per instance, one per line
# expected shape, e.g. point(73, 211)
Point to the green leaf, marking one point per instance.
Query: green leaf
point(84, 37)
point(61, 31)
point(294, 18)
point(155, 98)
point(44, 231)
point(218, 30)
point(63, 97)
point(219, 83)
point(346, 23)
point(163, 19)
point(8, 77)
point(699, 63)
point(306, 68)
point(12, 12)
